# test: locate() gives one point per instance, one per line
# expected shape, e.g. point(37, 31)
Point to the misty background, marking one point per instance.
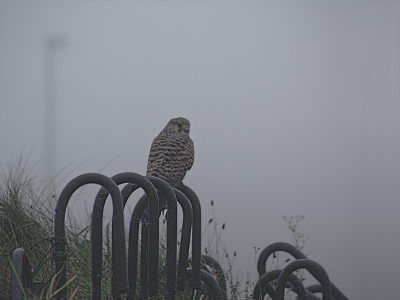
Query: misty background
point(294, 110)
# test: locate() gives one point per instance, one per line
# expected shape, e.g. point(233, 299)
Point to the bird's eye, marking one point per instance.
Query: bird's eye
point(179, 125)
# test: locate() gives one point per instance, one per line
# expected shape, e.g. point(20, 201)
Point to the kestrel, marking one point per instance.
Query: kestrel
point(172, 153)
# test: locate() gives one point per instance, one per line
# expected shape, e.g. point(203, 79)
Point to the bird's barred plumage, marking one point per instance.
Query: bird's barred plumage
point(172, 152)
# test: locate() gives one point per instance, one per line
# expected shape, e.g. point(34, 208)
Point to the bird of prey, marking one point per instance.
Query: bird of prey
point(172, 153)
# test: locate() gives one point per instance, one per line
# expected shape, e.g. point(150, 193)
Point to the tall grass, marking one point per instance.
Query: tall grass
point(239, 285)
point(26, 220)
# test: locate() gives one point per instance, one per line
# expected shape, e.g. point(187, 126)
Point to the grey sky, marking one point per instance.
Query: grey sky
point(294, 108)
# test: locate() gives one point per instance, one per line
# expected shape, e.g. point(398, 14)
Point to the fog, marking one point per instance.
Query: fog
point(294, 110)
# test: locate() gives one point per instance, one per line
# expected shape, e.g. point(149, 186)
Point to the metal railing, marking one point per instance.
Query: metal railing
point(286, 279)
point(124, 261)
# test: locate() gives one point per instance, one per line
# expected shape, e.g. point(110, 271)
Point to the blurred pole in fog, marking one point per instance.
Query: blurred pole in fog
point(52, 44)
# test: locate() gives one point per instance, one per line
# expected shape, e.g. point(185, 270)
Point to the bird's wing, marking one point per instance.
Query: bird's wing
point(170, 158)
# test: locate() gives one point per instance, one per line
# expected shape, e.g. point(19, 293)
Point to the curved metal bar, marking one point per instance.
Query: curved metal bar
point(144, 263)
point(275, 247)
point(296, 253)
point(203, 266)
point(209, 261)
point(314, 268)
point(316, 288)
point(263, 285)
point(184, 246)
point(96, 239)
point(196, 235)
point(126, 193)
point(133, 246)
point(210, 282)
point(313, 289)
point(153, 229)
point(59, 228)
point(137, 181)
point(185, 239)
point(166, 191)
point(23, 274)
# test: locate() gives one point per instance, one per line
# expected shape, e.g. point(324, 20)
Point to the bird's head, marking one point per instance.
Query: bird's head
point(179, 126)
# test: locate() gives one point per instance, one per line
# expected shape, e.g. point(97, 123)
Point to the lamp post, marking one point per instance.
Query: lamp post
point(52, 44)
